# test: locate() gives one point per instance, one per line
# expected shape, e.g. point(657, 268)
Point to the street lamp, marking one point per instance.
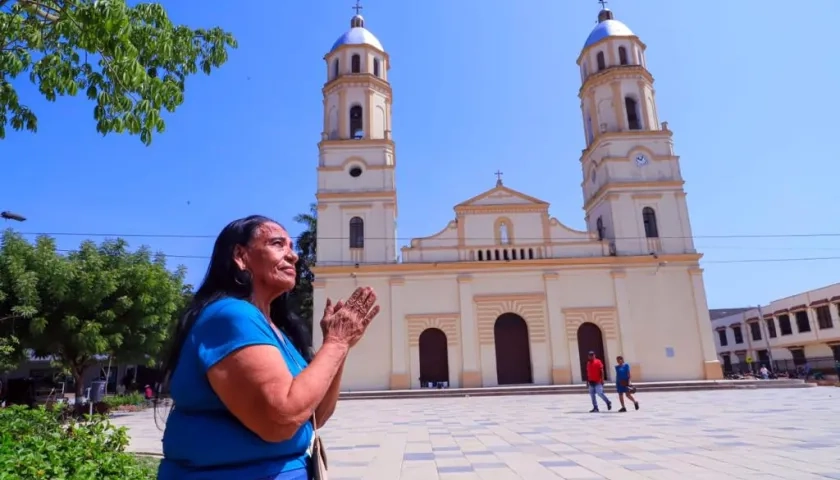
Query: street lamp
point(7, 215)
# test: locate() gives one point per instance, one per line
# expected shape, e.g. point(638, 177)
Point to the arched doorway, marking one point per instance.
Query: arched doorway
point(434, 356)
point(513, 350)
point(590, 339)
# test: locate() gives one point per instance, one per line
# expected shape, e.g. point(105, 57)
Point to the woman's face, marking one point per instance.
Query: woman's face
point(270, 258)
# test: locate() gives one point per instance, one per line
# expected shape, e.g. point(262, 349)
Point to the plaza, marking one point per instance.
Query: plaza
point(716, 435)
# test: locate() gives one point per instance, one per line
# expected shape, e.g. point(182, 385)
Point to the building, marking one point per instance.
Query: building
point(784, 334)
point(504, 293)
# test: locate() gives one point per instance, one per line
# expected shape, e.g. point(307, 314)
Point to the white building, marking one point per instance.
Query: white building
point(505, 293)
point(789, 332)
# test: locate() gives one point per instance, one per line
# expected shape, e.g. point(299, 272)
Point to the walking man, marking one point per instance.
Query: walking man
point(595, 378)
point(622, 383)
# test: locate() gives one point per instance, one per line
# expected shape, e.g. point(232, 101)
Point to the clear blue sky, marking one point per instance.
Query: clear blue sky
point(745, 85)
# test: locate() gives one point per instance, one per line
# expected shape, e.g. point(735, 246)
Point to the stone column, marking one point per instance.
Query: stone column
point(343, 115)
point(561, 369)
point(625, 324)
point(399, 340)
point(471, 374)
point(711, 365)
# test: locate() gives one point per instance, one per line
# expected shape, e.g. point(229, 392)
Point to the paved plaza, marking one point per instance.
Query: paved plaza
point(791, 434)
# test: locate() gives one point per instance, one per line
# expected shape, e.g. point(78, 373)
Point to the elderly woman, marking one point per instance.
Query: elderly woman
point(245, 384)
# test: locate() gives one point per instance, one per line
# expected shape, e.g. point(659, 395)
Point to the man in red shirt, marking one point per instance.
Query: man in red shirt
point(595, 379)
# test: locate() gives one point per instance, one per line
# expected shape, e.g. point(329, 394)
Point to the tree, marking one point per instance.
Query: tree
point(302, 293)
point(98, 300)
point(131, 60)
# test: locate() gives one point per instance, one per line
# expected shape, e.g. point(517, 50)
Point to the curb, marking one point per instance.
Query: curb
point(574, 389)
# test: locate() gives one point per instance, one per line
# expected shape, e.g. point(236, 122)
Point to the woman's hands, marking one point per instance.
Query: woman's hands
point(346, 322)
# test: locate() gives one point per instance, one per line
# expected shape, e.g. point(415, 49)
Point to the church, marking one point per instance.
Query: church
point(505, 294)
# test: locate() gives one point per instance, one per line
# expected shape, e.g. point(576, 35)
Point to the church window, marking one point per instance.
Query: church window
point(622, 56)
point(335, 68)
point(355, 171)
point(505, 254)
point(513, 254)
point(633, 118)
point(522, 254)
point(599, 225)
point(649, 220)
point(376, 67)
point(356, 63)
point(497, 255)
point(530, 254)
point(356, 130)
point(602, 63)
point(489, 255)
point(357, 233)
point(480, 256)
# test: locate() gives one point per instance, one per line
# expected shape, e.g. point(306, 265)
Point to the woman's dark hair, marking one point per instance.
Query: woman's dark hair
point(225, 279)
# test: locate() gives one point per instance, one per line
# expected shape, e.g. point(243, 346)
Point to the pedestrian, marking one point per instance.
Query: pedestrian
point(622, 383)
point(595, 378)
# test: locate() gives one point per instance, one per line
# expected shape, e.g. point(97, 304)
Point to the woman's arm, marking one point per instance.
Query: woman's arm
point(256, 386)
point(327, 406)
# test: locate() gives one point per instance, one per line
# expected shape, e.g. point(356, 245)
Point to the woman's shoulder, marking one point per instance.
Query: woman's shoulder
point(227, 306)
point(229, 309)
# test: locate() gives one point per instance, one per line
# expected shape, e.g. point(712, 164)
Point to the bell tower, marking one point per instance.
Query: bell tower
point(357, 195)
point(632, 186)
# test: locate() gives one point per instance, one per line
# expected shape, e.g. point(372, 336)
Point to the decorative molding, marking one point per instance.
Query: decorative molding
point(395, 281)
point(531, 307)
point(446, 322)
point(604, 317)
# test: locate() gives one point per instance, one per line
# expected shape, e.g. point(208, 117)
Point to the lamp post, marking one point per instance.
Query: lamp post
point(7, 215)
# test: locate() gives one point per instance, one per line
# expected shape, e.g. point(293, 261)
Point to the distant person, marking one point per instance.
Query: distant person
point(765, 374)
point(247, 389)
point(150, 394)
point(622, 383)
point(595, 379)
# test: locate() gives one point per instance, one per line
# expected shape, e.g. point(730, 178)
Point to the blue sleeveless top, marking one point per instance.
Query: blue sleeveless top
point(203, 440)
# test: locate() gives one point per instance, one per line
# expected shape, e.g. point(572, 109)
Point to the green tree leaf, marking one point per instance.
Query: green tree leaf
point(302, 294)
point(132, 60)
point(98, 300)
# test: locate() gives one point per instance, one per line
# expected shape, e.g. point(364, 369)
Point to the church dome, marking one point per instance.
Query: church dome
point(358, 35)
point(607, 26)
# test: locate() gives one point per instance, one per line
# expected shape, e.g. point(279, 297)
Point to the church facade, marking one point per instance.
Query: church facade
point(504, 293)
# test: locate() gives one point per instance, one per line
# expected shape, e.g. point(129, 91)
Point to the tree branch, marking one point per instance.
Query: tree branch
point(39, 9)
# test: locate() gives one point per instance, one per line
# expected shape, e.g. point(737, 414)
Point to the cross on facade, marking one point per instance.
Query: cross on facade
point(603, 4)
point(358, 8)
point(499, 178)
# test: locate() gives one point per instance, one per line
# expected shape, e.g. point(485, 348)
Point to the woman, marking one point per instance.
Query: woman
point(241, 371)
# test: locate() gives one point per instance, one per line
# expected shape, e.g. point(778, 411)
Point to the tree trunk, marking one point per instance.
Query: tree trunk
point(78, 376)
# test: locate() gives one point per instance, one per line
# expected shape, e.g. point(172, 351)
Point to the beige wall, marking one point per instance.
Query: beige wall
point(654, 316)
point(816, 343)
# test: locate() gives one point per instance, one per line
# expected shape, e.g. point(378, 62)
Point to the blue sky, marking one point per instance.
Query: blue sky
point(478, 86)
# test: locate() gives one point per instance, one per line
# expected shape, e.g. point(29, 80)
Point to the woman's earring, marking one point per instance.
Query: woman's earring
point(242, 277)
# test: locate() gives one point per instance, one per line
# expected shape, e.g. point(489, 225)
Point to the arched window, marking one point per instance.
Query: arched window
point(599, 224)
point(357, 233)
point(335, 68)
point(602, 63)
point(356, 129)
point(632, 107)
point(480, 256)
point(356, 63)
point(376, 67)
point(622, 56)
point(649, 220)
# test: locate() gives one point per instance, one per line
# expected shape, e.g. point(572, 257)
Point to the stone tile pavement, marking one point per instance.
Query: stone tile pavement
point(717, 435)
